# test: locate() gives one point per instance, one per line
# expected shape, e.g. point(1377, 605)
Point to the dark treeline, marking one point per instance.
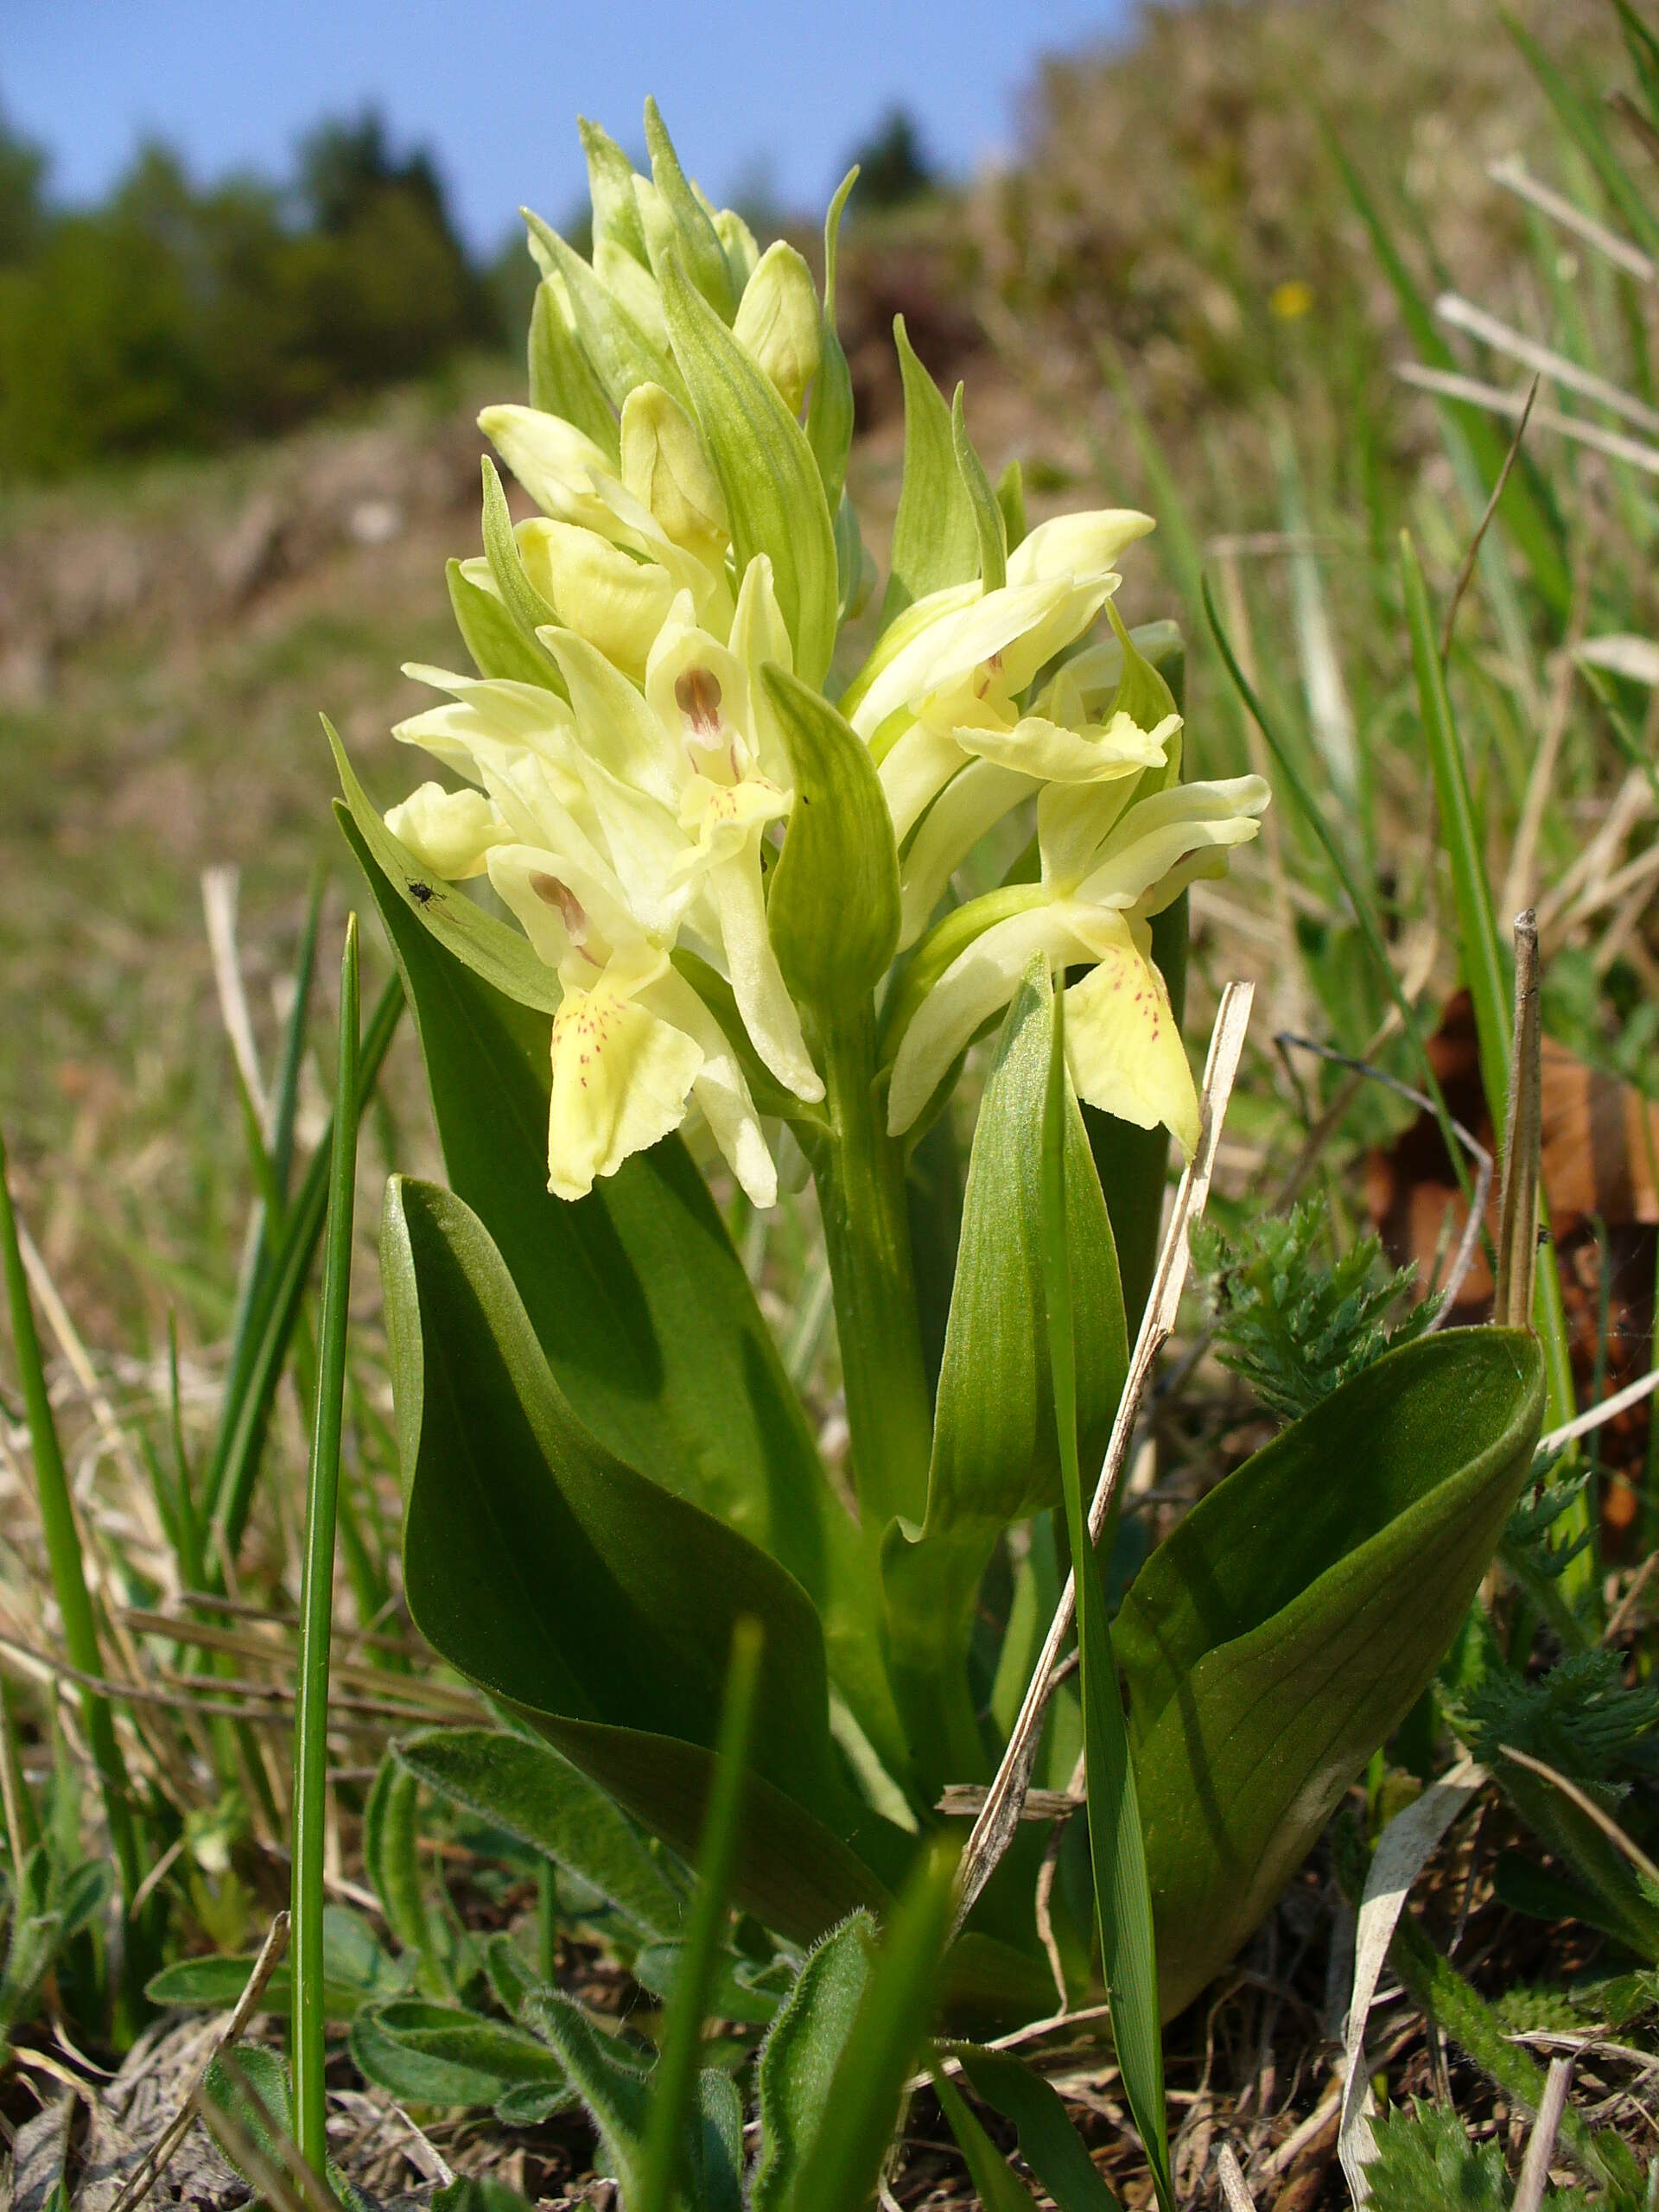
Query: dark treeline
point(177, 317)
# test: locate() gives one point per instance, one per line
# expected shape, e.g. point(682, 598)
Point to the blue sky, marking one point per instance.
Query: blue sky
point(495, 86)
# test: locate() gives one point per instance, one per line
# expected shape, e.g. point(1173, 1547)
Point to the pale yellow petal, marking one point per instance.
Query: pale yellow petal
point(978, 982)
point(757, 982)
point(914, 770)
point(1123, 1047)
point(449, 832)
point(1077, 545)
point(1159, 832)
point(621, 1079)
point(720, 1092)
point(1059, 755)
point(618, 603)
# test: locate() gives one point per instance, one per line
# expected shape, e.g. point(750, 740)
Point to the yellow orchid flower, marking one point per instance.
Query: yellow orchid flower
point(939, 702)
point(1113, 855)
point(615, 827)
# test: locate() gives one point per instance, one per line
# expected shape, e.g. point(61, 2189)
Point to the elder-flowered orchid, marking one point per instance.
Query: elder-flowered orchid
point(1113, 855)
point(615, 827)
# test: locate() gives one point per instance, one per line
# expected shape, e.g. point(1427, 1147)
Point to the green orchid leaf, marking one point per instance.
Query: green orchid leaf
point(1011, 498)
point(793, 1871)
point(833, 910)
point(999, 2188)
point(689, 231)
point(799, 2058)
point(1049, 2144)
point(988, 525)
point(475, 940)
point(829, 403)
point(996, 1455)
point(935, 535)
point(1116, 1850)
point(610, 187)
point(497, 646)
point(445, 2055)
point(1294, 1616)
point(637, 1299)
point(545, 1566)
point(528, 1788)
point(773, 491)
point(563, 380)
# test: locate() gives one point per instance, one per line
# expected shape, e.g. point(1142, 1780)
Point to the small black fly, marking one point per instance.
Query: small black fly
point(421, 892)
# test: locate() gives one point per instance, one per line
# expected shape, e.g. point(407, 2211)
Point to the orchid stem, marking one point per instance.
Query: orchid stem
point(860, 1171)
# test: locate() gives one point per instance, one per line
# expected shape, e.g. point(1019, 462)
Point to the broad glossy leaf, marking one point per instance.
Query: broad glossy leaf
point(935, 537)
point(774, 494)
point(535, 1794)
point(637, 1297)
point(445, 2055)
point(1294, 1616)
point(832, 908)
point(798, 2059)
point(995, 1456)
point(545, 1566)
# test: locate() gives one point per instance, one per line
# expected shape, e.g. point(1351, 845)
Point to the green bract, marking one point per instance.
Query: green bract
point(736, 902)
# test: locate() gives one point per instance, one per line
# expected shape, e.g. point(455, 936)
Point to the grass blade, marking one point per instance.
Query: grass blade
point(1474, 447)
point(316, 1604)
point(1363, 913)
point(63, 1551)
point(1116, 1847)
point(1483, 957)
point(675, 2075)
point(229, 1491)
point(1591, 141)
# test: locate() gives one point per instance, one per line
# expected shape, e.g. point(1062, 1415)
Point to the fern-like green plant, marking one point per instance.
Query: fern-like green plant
point(1579, 1717)
point(1426, 2163)
point(1295, 1330)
